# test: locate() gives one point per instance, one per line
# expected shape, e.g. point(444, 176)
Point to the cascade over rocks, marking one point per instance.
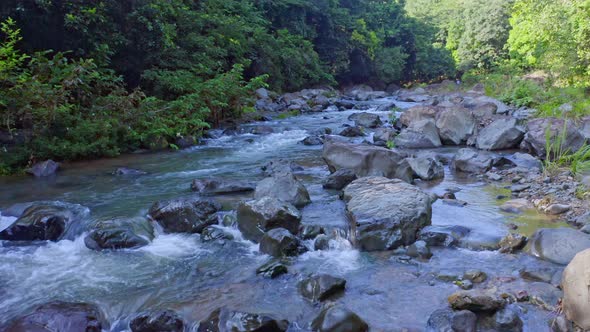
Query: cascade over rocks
point(259, 216)
point(223, 320)
point(279, 242)
point(185, 215)
point(120, 234)
point(62, 316)
point(386, 213)
point(164, 321)
point(285, 187)
point(366, 160)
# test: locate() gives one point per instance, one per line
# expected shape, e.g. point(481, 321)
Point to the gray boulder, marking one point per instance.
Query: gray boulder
point(382, 136)
point(418, 113)
point(279, 242)
point(352, 132)
point(455, 125)
point(339, 179)
point(472, 161)
point(443, 236)
point(218, 186)
point(559, 130)
point(558, 245)
point(427, 168)
point(185, 215)
point(62, 316)
point(44, 168)
point(321, 287)
point(419, 135)
point(447, 320)
point(163, 321)
point(576, 291)
point(312, 140)
point(120, 234)
point(365, 120)
point(285, 187)
point(499, 135)
point(366, 160)
point(259, 216)
point(338, 319)
point(385, 213)
point(225, 320)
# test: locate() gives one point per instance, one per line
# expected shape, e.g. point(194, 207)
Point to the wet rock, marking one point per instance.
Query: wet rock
point(538, 274)
point(455, 125)
point(279, 242)
point(512, 243)
point(312, 140)
point(44, 169)
point(338, 319)
point(476, 276)
point(556, 209)
point(494, 176)
point(284, 187)
point(223, 319)
point(476, 301)
point(280, 166)
point(382, 136)
point(558, 245)
point(61, 316)
point(185, 215)
point(561, 130)
point(262, 130)
point(272, 269)
point(165, 321)
point(120, 234)
point(427, 168)
point(448, 275)
point(124, 171)
point(387, 213)
point(472, 161)
point(454, 202)
point(418, 113)
point(444, 320)
point(339, 179)
point(525, 160)
point(507, 320)
point(419, 135)
point(419, 249)
point(517, 206)
point(258, 216)
point(366, 160)
point(214, 233)
point(322, 242)
point(42, 221)
point(345, 104)
point(464, 284)
point(213, 186)
point(500, 135)
point(309, 232)
point(352, 132)
point(481, 241)
point(186, 141)
point(365, 120)
point(576, 291)
point(443, 236)
point(321, 287)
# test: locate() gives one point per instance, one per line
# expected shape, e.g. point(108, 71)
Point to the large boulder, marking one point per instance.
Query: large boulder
point(427, 167)
point(472, 161)
point(220, 186)
point(366, 160)
point(338, 319)
point(558, 245)
point(45, 221)
point(352, 132)
point(421, 134)
point(418, 113)
point(164, 321)
point(279, 242)
point(225, 320)
point(321, 287)
point(366, 120)
point(285, 187)
point(455, 125)
point(185, 215)
point(259, 216)
point(386, 213)
point(62, 317)
point(562, 134)
point(500, 134)
point(120, 234)
point(576, 289)
point(44, 168)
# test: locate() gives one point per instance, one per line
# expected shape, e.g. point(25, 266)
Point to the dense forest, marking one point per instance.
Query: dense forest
point(97, 78)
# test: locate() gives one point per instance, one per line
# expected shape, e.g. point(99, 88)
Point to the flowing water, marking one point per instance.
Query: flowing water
point(178, 271)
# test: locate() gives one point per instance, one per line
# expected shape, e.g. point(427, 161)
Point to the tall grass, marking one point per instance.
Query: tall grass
point(558, 156)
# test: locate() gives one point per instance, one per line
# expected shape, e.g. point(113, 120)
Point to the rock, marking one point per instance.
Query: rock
point(322, 242)
point(427, 168)
point(184, 142)
point(272, 269)
point(500, 135)
point(507, 320)
point(418, 113)
point(558, 245)
point(494, 176)
point(120, 234)
point(520, 188)
point(352, 132)
point(258, 216)
point(42, 222)
point(419, 249)
point(382, 136)
point(312, 140)
point(262, 93)
point(185, 215)
point(559, 130)
point(455, 125)
point(472, 161)
point(443, 236)
point(44, 168)
point(517, 206)
point(386, 214)
point(444, 320)
point(338, 319)
point(225, 320)
point(321, 287)
point(366, 160)
point(339, 179)
point(476, 301)
point(124, 171)
point(284, 187)
point(464, 284)
point(525, 160)
point(538, 274)
point(555, 209)
point(279, 242)
point(454, 202)
point(419, 135)
point(512, 242)
point(576, 292)
point(365, 120)
point(215, 233)
point(476, 276)
point(164, 321)
point(280, 166)
point(345, 104)
point(262, 130)
point(61, 316)
point(218, 186)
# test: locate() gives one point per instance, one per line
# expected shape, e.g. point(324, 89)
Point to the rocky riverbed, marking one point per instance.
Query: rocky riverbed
point(361, 210)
